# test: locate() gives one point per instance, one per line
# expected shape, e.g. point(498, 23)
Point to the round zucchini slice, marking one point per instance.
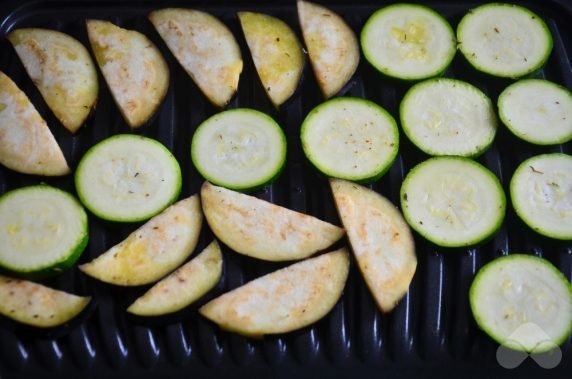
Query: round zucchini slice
point(43, 231)
point(523, 302)
point(350, 138)
point(541, 194)
point(504, 40)
point(128, 178)
point(448, 117)
point(453, 201)
point(408, 41)
point(240, 149)
point(537, 111)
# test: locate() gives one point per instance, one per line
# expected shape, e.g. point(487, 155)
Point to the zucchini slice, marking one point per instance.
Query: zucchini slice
point(448, 117)
point(284, 300)
point(262, 230)
point(276, 52)
point(408, 41)
point(537, 111)
point(61, 68)
point(182, 287)
point(127, 178)
point(504, 40)
point(241, 149)
point(36, 305)
point(380, 239)
point(133, 67)
point(350, 138)
point(26, 143)
point(43, 231)
point(541, 194)
point(453, 201)
point(523, 302)
point(332, 46)
point(206, 49)
point(153, 250)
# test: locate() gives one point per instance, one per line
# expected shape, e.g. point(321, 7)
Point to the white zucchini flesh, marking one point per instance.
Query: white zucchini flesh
point(350, 138)
point(537, 111)
point(504, 40)
point(127, 178)
point(541, 194)
point(239, 148)
point(448, 117)
point(408, 41)
point(523, 302)
point(453, 201)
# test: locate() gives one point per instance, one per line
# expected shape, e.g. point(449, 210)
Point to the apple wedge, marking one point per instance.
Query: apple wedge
point(380, 239)
point(262, 230)
point(153, 250)
point(37, 305)
point(26, 143)
point(182, 287)
point(133, 67)
point(61, 68)
point(284, 300)
point(276, 52)
point(332, 46)
point(206, 49)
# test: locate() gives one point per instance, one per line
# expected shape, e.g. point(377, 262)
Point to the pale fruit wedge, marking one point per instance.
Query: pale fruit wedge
point(284, 300)
point(134, 69)
point(206, 49)
point(152, 251)
point(61, 68)
point(276, 52)
point(26, 143)
point(34, 304)
point(262, 230)
point(332, 46)
point(182, 287)
point(380, 239)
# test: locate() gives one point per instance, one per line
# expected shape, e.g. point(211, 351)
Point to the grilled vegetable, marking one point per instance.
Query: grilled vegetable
point(260, 229)
point(61, 68)
point(284, 300)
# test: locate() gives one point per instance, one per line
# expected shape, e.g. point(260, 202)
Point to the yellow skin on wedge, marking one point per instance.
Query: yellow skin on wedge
point(152, 251)
point(34, 304)
point(182, 287)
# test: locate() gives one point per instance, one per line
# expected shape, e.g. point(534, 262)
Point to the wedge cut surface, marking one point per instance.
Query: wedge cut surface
point(380, 239)
point(276, 52)
point(284, 300)
point(332, 46)
point(26, 143)
point(182, 287)
point(206, 49)
point(61, 68)
point(134, 69)
point(37, 305)
point(153, 250)
point(260, 229)
point(523, 302)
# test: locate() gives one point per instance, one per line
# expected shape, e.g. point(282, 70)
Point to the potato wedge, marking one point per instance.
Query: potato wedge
point(332, 46)
point(61, 68)
point(182, 287)
point(262, 230)
point(133, 67)
point(206, 49)
point(153, 250)
point(34, 304)
point(26, 143)
point(284, 300)
point(380, 239)
point(276, 52)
